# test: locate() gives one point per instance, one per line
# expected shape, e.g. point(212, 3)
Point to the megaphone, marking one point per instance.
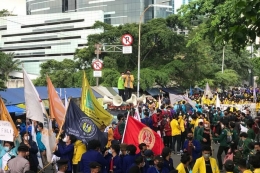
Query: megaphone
point(107, 100)
point(117, 100)
point(132, 100)
point(142, 99)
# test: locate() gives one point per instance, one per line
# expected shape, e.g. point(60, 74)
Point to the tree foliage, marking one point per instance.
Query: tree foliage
point(234, 21)
point(7, 65)
point(166, 59)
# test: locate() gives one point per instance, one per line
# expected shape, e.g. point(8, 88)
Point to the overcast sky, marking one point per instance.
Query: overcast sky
point(17, 7)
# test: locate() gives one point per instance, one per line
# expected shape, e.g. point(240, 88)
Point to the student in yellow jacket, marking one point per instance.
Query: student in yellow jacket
point(79, 149)
point(129, 79)
point(206, 163)
point(176, 134)
point(183, 167)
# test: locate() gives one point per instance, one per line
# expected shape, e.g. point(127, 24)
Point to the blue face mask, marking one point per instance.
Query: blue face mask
point(6, 149)
point(148, 159)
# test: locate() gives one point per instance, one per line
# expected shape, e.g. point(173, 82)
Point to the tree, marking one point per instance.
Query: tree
point(7, 65)
point(234, 21)
point(63, 74)
point(5, 12)
point(227, 78)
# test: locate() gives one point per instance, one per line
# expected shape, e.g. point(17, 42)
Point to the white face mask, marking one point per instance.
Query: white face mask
point(27, 138)
point(206, 125)
point(65, 139)
point(222, 126)
point(38, 129)
point(110, 151)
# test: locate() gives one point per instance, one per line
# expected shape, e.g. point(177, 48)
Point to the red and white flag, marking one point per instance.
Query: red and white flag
point(137, 133)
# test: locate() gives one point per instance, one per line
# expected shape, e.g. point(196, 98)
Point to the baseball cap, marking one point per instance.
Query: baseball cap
point(148, 153)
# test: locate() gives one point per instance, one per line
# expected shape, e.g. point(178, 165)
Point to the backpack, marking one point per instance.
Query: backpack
point(117, 135)
point(229, 136)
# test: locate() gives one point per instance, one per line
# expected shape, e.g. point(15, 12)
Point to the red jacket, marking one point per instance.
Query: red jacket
point(168, 129)
point(155, 120)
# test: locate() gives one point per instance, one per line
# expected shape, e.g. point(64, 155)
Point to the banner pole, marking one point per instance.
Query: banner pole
point(58, 136)
point(125, 128)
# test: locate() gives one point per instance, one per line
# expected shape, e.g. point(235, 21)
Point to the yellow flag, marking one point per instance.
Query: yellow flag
point(91, 107)
point(5, 116)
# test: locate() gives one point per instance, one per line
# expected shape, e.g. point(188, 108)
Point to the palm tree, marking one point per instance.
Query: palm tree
point(8, 64)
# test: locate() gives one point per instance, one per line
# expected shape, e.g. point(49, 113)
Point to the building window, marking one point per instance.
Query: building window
point(65, 5)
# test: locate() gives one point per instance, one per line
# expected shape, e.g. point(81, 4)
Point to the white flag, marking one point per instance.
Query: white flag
point(66, 100)
point(32, 100)
point(48, 138)
point(217, 102)
point(137, 115)
point(207, 91)
point(33, 133)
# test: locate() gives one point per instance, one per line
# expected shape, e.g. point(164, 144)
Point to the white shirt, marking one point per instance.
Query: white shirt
point(5, 159)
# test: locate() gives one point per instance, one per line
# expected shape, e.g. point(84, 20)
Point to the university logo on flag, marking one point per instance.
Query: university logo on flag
point(146, 136)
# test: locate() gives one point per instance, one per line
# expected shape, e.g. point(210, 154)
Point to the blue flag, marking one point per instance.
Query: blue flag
point(191, 93)
point(77, 123)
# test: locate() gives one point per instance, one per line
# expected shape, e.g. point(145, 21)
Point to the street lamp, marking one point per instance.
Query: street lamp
point(139, 42)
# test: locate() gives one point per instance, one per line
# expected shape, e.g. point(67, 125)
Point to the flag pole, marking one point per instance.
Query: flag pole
point(125, 129)
point(58, 136)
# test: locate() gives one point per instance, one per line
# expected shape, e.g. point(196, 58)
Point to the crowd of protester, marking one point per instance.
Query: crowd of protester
point(186, 131)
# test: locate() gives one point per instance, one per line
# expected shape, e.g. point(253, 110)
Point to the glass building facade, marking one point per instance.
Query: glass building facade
point(115, 11)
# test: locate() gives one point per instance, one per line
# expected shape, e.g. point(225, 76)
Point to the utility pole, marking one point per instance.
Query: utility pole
point(97, 52)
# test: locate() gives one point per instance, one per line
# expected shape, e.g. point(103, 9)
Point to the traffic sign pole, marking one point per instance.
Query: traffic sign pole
point(97, 52)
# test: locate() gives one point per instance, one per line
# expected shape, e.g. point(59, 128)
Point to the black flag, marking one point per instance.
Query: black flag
point(79, 124)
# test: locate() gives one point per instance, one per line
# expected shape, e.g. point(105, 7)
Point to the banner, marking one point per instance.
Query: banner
point(57, 109)
point(91, 107)
point(241, 107)
point(5, 116)
point(6, 131)
point(79, 124)
point(48, 137)
point(176, 98)
point(33, 133)
point(137, 133)
point(32, 100)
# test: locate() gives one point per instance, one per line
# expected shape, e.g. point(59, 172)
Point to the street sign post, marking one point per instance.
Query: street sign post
point(127, 40)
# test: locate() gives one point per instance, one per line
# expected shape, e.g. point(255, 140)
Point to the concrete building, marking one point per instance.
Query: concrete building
point(38, 38)
point(115, 11)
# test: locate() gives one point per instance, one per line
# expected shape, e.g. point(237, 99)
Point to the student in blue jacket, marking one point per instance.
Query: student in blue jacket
point(129, 159)
point(167, 160)
point(158, 166)
point(115, 163)
point(93, 154)
point(192, 147)
point(65, 150)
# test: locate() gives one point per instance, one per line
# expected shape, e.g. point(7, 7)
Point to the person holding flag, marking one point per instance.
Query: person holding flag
point(33, 150)
point(41, 146)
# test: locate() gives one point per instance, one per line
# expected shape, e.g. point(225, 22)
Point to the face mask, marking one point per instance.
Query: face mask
point(148, 159)
point(206, 156)
point(65, 139)
point(6, 149)
point(160, 165)
point(143, 164)
point(190, 138)
point(110, 151)
point(222, 126)
point(27, 138)
point(120, 153)
point(38, 129)
point(206, 125)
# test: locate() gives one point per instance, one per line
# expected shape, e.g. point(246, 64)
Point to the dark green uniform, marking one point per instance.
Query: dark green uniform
point(245, 149)
point(222, 138)
point(200, 132)
point(235, 136)
point(251, 134)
